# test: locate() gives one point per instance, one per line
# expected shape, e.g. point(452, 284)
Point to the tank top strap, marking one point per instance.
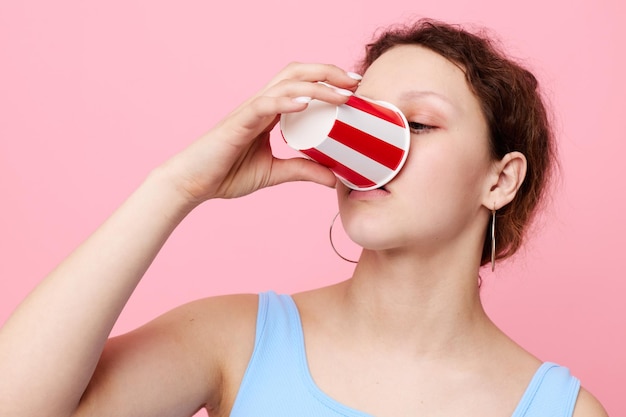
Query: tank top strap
point(277, 381)
point(551, 393)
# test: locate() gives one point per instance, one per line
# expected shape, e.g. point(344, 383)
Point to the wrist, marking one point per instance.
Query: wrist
point(170, 191)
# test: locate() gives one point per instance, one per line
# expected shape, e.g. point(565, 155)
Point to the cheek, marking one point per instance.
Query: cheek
point(445, 171)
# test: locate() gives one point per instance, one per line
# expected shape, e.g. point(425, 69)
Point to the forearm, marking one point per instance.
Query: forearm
point(51, 344)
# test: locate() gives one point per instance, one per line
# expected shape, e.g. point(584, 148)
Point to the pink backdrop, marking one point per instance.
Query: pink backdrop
point(94, 94)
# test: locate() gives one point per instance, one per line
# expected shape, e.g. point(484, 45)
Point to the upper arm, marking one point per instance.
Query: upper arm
point(588, 406)
point(176, 364)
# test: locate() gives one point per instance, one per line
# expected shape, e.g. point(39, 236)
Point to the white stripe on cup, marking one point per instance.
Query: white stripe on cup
point(354, 160)
point(372, 125)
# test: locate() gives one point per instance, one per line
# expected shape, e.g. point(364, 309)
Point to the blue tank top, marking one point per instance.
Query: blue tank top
point(277, 382)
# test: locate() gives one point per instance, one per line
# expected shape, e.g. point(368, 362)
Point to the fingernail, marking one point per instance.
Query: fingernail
point(302, 99)
point(354, 76)
point(343, 92)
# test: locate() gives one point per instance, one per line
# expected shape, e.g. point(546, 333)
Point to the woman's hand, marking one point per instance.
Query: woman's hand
point(234, 158)
point(46, 341)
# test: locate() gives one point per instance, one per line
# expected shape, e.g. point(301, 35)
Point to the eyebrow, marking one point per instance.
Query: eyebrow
point(418, 94)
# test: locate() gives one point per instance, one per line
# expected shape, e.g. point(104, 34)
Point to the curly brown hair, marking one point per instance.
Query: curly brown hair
point(513, 107)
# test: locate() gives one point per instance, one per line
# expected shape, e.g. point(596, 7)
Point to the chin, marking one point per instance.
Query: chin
point(371, 236)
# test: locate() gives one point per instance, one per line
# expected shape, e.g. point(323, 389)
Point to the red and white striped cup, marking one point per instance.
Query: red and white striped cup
point(364, 142)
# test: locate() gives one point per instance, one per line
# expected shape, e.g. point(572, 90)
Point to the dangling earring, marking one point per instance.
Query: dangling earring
point(493, 238)
point(330, 235)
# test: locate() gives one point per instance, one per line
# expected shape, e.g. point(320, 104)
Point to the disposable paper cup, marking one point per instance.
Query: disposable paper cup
point(364, 142)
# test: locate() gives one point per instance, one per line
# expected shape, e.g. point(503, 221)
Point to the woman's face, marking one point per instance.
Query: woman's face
point(439, 193)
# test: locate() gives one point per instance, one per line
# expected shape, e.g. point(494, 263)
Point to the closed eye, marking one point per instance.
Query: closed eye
point(420, 127)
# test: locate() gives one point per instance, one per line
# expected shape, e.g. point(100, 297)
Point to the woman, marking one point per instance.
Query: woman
point(406, 335)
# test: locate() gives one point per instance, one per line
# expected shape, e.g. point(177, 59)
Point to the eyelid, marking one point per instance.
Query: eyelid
point(423, 128)
point(426, 112)
point(426, 118)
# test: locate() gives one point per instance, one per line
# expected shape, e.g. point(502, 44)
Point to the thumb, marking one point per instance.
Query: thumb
point(302, 169)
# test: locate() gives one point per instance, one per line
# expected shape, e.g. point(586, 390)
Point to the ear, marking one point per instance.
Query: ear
point(507, 177)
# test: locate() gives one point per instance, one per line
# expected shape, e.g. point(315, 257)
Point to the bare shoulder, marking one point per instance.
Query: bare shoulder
point(213, 327)
point(226, 332)
point(191, 357)
point(228, 314)
point(221, 328)
point(588, 406)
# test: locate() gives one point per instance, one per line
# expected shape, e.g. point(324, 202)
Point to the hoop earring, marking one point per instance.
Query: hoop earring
point(493, 238)
point(330, 236)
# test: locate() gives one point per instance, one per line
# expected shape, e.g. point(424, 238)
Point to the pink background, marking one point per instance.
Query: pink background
point(95, 94)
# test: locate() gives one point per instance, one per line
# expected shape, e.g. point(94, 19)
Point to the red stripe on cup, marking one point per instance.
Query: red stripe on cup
point(378, 111)
point(340, 169)
point(366, 144)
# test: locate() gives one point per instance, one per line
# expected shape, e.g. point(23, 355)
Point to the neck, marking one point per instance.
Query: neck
point(427, 303)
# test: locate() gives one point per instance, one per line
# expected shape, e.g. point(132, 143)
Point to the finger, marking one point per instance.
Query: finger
point(258, 115)
point(313, 90)
point(301, 169)
point(299, 82)
point(318, 72)
point(263, 112)
point(286, 97)
point(322, 72)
